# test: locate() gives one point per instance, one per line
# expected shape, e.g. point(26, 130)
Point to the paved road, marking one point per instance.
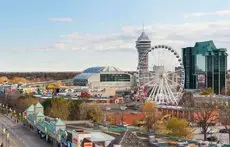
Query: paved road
point(30, 138)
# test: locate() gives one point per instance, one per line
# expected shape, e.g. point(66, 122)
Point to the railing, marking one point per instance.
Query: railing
point(90, 123)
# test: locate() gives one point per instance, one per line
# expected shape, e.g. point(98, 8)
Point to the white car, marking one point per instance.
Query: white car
point(209, 131)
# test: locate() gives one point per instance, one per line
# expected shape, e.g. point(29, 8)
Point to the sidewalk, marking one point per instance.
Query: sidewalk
point(15, 140)
point(23, 136)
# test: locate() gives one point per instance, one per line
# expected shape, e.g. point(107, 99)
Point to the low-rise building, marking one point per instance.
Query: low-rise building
point(107, 79)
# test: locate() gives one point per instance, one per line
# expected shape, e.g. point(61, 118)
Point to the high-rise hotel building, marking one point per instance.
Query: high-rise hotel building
point(205, 66)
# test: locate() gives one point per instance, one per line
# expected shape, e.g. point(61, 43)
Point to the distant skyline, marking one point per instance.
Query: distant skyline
point(72, 35)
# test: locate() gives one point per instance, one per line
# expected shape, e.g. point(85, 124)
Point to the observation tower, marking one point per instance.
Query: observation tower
point(143, 44)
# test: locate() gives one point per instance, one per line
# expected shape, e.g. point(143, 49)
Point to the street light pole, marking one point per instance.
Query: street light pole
point(3, 107)
point(106, 110)
point(122, 113)
point(7, 139)
point(3, 132)
point(6, 110)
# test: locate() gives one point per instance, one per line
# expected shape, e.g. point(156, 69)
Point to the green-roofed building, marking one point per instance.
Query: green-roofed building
point(38, 108)
point(60, 124)
point(205, 66)
point(38, 105)
point(29, 110)
point(39, 116)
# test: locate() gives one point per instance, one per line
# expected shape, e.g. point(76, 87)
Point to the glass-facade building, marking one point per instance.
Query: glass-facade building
point(205, 66)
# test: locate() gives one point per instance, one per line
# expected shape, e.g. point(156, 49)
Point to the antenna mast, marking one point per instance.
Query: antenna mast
point(143, 26)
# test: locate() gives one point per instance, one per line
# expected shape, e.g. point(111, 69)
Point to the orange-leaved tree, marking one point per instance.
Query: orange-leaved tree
point(152, 115)
point(206, 112)
point(17, 80)
point(3, 79)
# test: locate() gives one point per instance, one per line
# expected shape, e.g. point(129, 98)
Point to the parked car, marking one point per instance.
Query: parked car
point(209, 131)
point(211, 124)
point(212, 139)
point(224, 131)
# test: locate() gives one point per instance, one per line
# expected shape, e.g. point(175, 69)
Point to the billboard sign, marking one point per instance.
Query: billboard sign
point(201, 81)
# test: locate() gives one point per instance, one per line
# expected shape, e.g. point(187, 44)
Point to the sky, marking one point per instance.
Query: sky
point(71, 35)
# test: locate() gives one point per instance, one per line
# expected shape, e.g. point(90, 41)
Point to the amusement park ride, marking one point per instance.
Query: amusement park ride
point(160, 77)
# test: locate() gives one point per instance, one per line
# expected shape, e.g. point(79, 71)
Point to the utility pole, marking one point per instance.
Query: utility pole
point(122, 107)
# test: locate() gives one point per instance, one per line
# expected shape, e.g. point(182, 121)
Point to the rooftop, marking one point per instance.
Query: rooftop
point(99, 136)
point(38, 105)
point(60, 123)
point(143, 37)
point(127, 139)
point(40, 114)
point(101, 69)
point(204, 47)
point(30, 109)
point(92, 70)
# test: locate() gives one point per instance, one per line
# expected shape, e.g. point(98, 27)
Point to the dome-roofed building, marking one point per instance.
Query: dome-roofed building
point(104, 77)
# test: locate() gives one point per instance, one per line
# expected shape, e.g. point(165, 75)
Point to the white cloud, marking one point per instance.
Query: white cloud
point(176, 35)
point(61, 19)
point(115, 44)
point(216, 13)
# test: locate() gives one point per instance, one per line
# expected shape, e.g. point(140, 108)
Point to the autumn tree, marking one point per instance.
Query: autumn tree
point(3, 79)
point(179, 128)
point(91, 112)
point(206, 112)
point(152, 115)
point(110, 119)
point(75, 110)
point(95, 113)
point(23, 103)
point(17, 80)
point(47, 105)
point(228, 90)
point(225, 118)
point(207, 91)
point(54, 85)
point(59, 108)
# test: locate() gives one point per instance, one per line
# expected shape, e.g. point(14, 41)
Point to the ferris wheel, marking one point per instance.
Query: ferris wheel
point(160, 76)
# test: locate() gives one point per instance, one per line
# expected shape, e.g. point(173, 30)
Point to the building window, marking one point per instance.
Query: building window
point(115, 78)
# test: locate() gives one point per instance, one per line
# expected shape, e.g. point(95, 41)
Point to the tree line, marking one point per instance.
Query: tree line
point(72, 110)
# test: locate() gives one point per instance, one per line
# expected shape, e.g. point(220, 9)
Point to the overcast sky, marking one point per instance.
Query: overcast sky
point(71, 35)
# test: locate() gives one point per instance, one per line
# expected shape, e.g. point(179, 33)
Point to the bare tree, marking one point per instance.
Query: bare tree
point(225, 118)
point(206, 112)
point(187, 100)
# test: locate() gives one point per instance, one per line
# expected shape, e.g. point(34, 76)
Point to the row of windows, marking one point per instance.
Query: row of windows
point(114, 77)
point(80, 82)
